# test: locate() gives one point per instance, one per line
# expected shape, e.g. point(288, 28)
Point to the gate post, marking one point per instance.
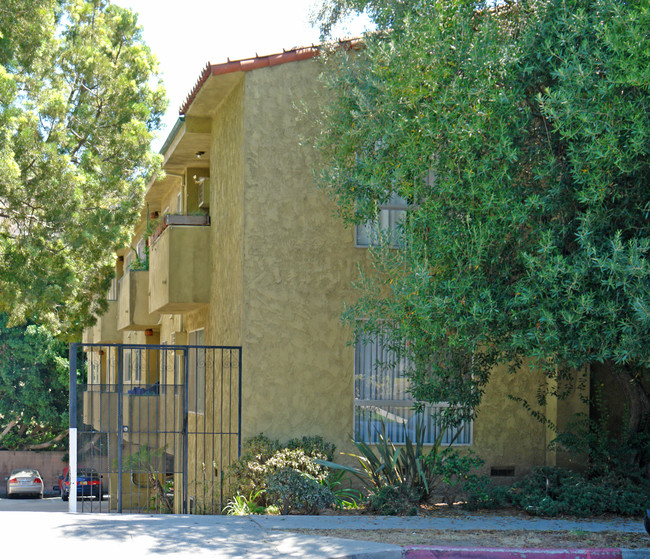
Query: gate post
point(120, 425)
point(186, 405)
point(72, 432)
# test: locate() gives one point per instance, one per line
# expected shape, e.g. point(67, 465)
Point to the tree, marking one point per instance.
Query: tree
point(519, 135)
point(33, 388)
point(77, 112)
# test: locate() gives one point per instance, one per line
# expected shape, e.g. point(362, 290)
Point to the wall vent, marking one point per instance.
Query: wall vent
point(502, 471)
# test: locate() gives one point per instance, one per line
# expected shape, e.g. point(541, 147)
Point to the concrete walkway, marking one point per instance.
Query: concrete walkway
point(269, 537)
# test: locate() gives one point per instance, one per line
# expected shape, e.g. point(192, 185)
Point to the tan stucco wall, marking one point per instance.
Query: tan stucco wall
point(507, 435)
point(226, 213)
point(178, 269)
point(299, 262)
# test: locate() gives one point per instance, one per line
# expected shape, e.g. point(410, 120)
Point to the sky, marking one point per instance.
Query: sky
point(187, 34)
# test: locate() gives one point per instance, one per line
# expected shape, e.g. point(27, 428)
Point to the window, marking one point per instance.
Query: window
point(132, 366)
point(385, 226)
point(381, 395)
point(196, 372)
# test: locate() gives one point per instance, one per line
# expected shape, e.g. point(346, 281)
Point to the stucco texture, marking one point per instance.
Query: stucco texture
point(298, 266)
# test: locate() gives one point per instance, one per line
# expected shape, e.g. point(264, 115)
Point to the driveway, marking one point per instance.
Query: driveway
point(47, 504)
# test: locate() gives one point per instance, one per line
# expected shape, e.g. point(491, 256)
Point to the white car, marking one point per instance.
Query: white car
point(25, 482)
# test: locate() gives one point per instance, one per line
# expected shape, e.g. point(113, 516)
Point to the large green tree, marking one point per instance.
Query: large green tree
point(520, 136)
point(78, 106)
point(33, 388)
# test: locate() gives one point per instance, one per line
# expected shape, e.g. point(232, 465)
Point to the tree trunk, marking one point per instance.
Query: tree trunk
point(633, 386)
point(636, 396)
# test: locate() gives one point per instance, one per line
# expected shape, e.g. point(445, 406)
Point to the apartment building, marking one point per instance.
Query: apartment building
point(237, 248)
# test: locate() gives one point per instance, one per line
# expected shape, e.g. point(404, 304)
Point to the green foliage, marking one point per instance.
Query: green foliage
point(412, 472)
point(481, 494)
point(394, 500)
point(344, 497)
point(246, 474)
point(519, 136)
point(313, 445)
point(623, 453)
point(33, 387)
point(262, 458)
point(78, 108)
point(550, 491)
point(240, 505)
point(294, 490)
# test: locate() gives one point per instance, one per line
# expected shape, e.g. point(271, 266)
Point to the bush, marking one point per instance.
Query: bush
point(314, 445)
point(246, 475)
point(394, 500)
point(551, 491)
point(481, 493)
point(262, 458)
point(297, 460)
point(296, 491)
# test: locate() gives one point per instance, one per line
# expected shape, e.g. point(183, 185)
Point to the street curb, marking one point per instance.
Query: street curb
point(428, 552)
point(636, 553)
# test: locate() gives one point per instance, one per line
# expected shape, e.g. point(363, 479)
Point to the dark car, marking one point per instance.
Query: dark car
point(89, 484)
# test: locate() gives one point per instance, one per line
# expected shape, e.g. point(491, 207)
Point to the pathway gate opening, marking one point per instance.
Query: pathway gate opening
point(153, 428)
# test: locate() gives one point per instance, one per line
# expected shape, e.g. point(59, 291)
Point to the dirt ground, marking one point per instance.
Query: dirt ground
point(537, 539)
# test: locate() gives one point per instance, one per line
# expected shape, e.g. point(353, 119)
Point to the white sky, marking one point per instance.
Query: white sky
point(187, 34)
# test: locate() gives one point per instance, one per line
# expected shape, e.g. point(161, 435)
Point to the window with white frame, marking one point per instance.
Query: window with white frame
point(381, 395)
point(196, 372)
point(385, 227)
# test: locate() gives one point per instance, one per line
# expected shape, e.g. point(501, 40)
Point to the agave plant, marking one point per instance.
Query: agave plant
point(414, 464)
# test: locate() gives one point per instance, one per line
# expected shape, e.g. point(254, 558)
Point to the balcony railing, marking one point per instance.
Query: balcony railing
point(179, 265)
point(133, 302)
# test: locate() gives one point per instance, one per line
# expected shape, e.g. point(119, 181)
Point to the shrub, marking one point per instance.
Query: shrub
point(263, 457)
point(551, 491)
point(292, 490)
point(453, 468)
point(394, 500)
point(246, 475)
point(481, 493)
point(313, 445)
point(297, 460)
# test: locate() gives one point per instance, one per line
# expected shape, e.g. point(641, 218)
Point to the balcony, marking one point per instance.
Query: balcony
point(105, 331)
point(179, 265)
point(133, 302)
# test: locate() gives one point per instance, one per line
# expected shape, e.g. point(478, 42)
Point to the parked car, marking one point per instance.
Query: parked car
point(89, 484)
point(25, 481)
point(62, 480)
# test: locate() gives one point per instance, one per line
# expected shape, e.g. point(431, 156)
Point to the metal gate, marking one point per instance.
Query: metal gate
point(153, 428)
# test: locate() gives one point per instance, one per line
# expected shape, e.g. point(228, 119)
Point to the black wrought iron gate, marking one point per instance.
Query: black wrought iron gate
point(156, 427)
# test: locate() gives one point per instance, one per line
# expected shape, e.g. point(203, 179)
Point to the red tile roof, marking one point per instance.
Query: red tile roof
point(247, 64)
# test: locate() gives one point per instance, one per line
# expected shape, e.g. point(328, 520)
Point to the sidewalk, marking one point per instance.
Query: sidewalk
point(270, 537)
